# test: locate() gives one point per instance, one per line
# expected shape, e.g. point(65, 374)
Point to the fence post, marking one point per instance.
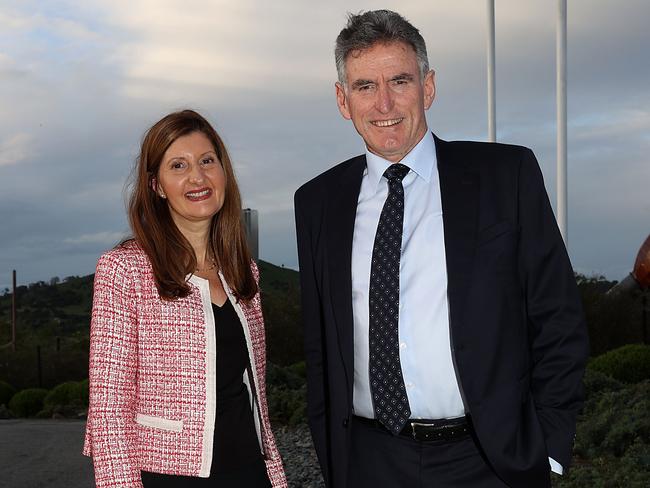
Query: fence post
point(39, 367)
point(13, 313)
point(644, 317)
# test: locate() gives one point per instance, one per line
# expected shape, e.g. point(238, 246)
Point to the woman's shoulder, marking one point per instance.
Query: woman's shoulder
point(127, 254)
point(255, 270)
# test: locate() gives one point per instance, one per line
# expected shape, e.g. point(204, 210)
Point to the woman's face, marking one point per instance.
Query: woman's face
point(192, 180)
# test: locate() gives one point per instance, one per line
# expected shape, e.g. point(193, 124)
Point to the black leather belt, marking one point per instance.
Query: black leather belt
point(430, 430)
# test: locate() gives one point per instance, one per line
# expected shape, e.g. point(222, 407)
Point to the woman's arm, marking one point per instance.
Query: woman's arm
point(274, 467)
point(113, 371)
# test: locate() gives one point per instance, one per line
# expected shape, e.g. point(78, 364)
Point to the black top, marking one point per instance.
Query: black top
point(235, 446)
point(235, 439)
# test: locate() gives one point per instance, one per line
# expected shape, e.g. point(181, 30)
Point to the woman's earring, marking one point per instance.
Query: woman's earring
point(154, 187)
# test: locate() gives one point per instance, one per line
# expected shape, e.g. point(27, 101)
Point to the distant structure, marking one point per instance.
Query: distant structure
point(249, 217)
point(13, 316)
point(638, 280)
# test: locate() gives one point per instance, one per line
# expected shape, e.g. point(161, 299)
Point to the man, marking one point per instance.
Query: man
point(444, 337)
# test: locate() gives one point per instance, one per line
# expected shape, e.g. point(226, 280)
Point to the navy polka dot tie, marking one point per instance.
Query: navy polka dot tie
point(386, 381)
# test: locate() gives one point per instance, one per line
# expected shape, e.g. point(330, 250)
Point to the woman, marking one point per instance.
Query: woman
point(177, 358)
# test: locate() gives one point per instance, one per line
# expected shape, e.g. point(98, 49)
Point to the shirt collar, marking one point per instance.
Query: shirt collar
point(421, 159)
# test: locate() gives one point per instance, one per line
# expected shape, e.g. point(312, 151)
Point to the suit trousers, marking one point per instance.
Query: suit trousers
point(379, 459)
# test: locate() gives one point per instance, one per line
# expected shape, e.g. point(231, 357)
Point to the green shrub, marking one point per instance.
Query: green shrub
point(613, 421)
point(287, 406)
point(299, 368)
point(629, 364)
point(596, 382)
point(68, 399)
point(612, 320)
point(286, 393)
point(46, 413)
point(6, 392)
point(27, 403)
point(68, 393)
point(285, 377)
point(612, 446)
point(630, 471)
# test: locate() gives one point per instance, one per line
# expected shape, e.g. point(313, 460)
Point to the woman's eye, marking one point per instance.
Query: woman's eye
point(207, 161)
point(178, 165)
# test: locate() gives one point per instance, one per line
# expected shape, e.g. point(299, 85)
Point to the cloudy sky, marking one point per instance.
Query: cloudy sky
point(81, 81)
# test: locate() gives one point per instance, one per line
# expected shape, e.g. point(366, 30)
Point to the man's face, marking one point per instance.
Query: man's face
point(386, 99)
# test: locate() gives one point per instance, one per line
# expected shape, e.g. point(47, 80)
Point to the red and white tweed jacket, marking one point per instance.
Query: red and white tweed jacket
point(152, 375)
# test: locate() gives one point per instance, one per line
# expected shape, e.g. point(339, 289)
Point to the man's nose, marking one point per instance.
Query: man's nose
point(384, 101)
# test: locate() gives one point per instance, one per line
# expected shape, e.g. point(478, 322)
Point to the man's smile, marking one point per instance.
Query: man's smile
point(386, 123)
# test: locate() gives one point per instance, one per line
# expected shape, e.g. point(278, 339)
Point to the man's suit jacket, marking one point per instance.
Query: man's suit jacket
point(518, 336)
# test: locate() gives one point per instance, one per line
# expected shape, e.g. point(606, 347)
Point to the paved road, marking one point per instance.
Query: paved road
point(43, 453)
point(47, 453)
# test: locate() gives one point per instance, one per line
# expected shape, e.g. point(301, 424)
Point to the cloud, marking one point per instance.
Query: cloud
point(49, 27)
point(16, 149)
point(6, 62)
point(105, 238)
point(11, 20)
point(598, 125)
point(83, 80)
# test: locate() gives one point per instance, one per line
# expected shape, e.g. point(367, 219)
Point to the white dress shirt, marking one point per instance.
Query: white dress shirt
point(424, 336)
point(425, 348)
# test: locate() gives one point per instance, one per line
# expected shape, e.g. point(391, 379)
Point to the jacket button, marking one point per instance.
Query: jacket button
point(345, 423)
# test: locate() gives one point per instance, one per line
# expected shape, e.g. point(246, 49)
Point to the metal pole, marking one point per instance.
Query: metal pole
point(491, 77)
point(13, 313)
point(39, 367)
point(561, 89)
point(644, 317)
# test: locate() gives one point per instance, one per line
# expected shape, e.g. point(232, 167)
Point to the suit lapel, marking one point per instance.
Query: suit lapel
point(341, 213)
point(459, 187)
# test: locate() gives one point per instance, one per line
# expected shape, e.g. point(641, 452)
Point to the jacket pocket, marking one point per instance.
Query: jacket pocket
point(159, 422)
point(493, 231)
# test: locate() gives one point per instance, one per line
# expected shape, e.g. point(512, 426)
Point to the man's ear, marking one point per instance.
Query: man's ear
point(429, 89)
point(342, 101)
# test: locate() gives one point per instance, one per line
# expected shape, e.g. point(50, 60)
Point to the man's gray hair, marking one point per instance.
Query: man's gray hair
point(365, 29)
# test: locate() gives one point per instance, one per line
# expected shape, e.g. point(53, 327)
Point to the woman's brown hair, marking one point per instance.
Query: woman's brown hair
point(170, 253)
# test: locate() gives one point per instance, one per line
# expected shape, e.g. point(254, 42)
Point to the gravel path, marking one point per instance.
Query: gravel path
point(47, 454)
point(300, 462)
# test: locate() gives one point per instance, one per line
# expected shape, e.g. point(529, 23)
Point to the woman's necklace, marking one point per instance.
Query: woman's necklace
point(209, 268)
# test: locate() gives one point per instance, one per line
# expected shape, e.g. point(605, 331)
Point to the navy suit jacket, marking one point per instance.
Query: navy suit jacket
point(517, 326)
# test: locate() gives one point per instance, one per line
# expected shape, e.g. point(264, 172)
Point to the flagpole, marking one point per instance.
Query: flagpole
point(561, 93)
point(491, 71)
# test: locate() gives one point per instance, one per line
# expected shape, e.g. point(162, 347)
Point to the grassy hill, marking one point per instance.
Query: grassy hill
point(281, 307)
point(55, 317)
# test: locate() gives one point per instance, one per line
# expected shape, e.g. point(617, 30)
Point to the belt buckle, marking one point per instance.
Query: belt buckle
point(417, 424)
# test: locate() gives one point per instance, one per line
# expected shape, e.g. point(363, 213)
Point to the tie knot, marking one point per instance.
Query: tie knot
point(396, 171)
